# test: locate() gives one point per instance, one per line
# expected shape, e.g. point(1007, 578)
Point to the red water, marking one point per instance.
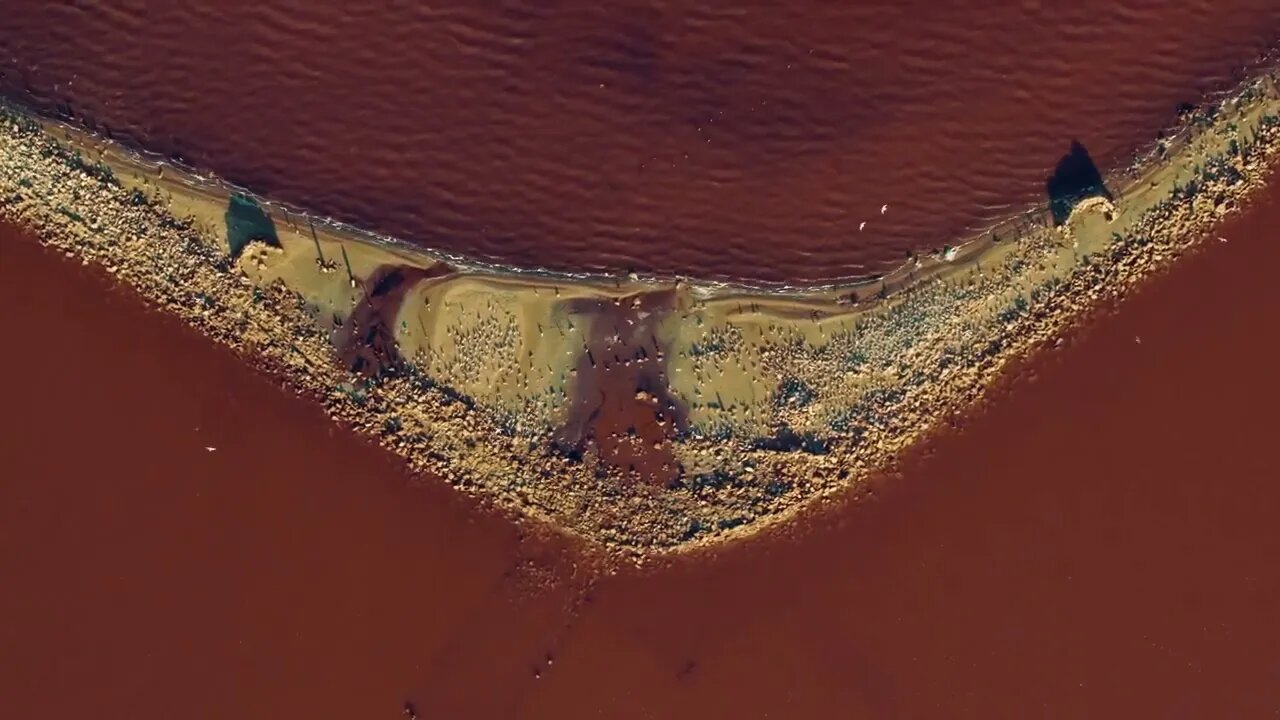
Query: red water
point(665, 137)
point(1100, 541)
point(292, 571)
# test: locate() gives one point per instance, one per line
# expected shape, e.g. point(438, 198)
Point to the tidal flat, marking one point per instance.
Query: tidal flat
point(645, 414)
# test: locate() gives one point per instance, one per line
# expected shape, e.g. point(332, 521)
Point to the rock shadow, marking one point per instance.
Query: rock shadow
point(1075, 178)
point(246, 222)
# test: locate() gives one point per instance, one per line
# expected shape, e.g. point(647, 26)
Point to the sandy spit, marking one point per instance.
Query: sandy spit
point(646, 415)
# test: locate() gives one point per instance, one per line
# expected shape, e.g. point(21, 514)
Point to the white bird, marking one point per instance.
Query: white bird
point(862, 225)
point(884, 209)
point(209, 448)
point(1221, 239)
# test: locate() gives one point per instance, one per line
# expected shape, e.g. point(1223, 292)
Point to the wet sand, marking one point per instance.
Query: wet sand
point(1098, 540)
point(667, 137)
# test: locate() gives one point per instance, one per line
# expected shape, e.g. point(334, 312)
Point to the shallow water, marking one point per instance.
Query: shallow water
point(660, 137)
point(292, 570)
point(1098, 541)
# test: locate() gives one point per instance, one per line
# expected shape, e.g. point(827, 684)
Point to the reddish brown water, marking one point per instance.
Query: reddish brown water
point(1101, 541)
point(292, 572)
point(663, 136)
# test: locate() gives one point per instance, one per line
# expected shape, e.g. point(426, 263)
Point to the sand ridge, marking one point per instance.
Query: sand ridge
point(647, 415)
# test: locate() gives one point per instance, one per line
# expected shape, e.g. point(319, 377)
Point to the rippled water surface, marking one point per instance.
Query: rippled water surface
point(179, 538)
point(662, 137)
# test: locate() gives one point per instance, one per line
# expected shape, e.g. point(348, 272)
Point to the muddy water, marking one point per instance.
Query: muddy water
point(666, 137)
point(291, 572)
point(1100, 541)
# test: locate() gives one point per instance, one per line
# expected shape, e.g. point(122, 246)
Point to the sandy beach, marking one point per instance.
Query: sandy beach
point(644, 414)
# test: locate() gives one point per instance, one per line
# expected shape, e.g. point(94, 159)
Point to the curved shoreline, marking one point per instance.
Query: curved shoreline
point(165, 175)
point(670, 414)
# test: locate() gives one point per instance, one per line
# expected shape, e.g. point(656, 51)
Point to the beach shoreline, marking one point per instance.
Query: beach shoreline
point(491, 378)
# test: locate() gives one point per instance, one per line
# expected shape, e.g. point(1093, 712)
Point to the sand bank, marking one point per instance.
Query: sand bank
point(645, 414)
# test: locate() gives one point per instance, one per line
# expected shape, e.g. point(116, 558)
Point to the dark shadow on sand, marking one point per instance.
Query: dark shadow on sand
point(1075, 178)
point(247, 222)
